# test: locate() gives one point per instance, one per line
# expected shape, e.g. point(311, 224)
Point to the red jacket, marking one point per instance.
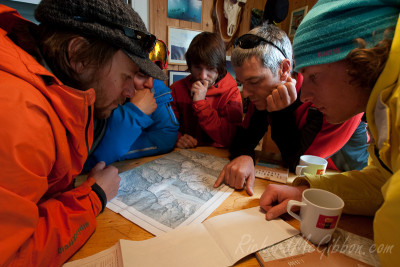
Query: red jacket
point(46, 131)
point(212, 121)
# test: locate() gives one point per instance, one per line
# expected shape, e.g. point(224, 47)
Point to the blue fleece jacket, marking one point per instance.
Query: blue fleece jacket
point(132, 134)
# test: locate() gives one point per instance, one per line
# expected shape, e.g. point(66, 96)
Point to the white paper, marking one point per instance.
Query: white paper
point(219, 241)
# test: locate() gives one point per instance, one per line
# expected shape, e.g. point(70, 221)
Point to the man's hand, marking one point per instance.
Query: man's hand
point(186, 141)
point(282, 96)
point(199, 90)
point(275, 198)
point(237, 172)
point(145, 101)
point(107, 178)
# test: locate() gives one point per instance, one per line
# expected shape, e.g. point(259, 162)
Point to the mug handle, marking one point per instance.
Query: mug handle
point(300, 169)
point(292, 203)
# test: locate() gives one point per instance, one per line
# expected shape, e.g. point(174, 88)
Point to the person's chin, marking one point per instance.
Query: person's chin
point(103, 114)
point(260, 106)
point(333, 119)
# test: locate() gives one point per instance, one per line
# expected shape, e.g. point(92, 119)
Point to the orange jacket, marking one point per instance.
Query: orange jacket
point(45, 133)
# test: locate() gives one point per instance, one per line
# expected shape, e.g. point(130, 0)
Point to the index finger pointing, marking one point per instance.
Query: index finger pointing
point(220, 178)
point(250, 184)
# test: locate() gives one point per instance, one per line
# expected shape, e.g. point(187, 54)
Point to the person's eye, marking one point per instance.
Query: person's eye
point(140, 75)
point(127, 77)
point(255, 82)
point(313, 78)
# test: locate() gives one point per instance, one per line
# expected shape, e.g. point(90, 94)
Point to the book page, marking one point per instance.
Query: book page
point(270, 171)
point(247, 231)
point(189, 245)
point(345, 249)
point(110, 257)
point(220, 241)
point(293, 246)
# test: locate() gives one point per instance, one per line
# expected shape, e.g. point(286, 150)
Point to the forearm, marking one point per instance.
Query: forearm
point(291, 141)
point(219, 125)
point(360, 190)
point(246, 139)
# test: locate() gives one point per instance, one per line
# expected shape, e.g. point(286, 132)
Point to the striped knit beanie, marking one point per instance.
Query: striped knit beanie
point(328, 31)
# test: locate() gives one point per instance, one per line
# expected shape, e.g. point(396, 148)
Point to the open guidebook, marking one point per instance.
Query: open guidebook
point(219, 241)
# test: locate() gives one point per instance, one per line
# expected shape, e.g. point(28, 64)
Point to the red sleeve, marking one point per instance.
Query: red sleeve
point(221, 125)
point(173, 102)
point(333, 137)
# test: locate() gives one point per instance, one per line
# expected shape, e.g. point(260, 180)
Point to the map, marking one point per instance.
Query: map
point(171, 191)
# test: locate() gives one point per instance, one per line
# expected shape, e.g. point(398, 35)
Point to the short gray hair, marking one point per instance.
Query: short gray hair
point(270, 56)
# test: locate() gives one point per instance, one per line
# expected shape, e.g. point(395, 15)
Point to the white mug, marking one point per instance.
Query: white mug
point(320, 212)
point(312, 165)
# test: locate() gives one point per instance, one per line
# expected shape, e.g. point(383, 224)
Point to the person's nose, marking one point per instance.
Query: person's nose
point(203, 74)
point(148, 83)
point(129, 90)
point(245, 92)
point(305, 95)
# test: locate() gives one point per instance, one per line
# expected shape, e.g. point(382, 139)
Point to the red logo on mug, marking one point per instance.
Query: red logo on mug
point(327, 222)
point(320, 171)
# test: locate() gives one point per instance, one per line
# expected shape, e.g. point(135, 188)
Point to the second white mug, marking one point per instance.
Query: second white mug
point(312, 165)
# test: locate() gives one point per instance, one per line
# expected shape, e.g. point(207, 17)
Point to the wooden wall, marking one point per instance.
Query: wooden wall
point(159, 21)
point(293, 5)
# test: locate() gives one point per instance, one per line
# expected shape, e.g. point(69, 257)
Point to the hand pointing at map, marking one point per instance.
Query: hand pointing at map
point(238, 172)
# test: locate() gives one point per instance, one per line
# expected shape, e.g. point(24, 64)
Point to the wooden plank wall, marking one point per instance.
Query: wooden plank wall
point(159, 21)
point(293, 5)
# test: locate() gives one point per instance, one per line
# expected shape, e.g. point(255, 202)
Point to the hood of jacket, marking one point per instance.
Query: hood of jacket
point(73, 108)
point(15, 60)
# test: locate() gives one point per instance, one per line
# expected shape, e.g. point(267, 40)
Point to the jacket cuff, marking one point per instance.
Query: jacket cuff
point(101, 195)
point(300, 181)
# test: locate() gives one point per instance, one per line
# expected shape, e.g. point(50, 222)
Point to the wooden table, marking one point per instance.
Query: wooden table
point(111, 226)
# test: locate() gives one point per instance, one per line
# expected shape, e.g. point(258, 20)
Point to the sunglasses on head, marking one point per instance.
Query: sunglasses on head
point(147, 41)
point(249, 41)
point(159, 54)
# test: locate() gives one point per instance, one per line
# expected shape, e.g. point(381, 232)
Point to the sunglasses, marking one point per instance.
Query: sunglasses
point(249, 41)
point(147, 41)
point(159, 54)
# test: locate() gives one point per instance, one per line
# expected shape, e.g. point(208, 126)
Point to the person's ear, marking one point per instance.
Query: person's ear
point(285, 69)
point(74, 45)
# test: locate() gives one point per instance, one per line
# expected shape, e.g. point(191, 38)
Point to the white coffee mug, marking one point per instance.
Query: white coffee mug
point(311, 164)
point(320, 212)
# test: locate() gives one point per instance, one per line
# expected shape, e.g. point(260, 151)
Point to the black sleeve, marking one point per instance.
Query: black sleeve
point(101, 194)
point(292, 142)
point(246, 139)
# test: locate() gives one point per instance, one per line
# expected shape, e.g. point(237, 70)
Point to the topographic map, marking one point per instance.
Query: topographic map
point(170, 191)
